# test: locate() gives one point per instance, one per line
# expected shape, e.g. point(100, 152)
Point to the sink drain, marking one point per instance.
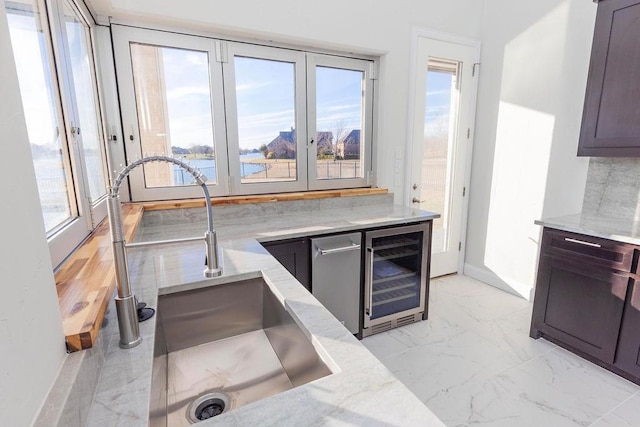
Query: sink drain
point(207, 406)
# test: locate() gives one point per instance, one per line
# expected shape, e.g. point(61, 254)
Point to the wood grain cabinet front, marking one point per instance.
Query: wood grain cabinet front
point(587, 299)
point(628, 355)
point(583, 305)
point(610, 125)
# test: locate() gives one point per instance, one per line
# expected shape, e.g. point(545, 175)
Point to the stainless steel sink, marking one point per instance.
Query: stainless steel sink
point(225, 345)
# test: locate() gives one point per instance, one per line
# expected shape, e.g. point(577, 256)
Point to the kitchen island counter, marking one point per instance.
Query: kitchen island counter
point(361, 391)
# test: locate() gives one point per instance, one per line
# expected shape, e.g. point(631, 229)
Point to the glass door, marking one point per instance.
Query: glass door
point(265, 112)
point(395, 274)
point(340, 111)
point(172, 105)
point(445, 87)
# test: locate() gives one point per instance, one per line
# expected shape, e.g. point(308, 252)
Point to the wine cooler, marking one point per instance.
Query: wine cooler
point(396, 277)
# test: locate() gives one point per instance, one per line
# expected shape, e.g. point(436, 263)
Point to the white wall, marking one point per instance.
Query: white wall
point(30, 325)
point(535, 58)
point(363, 26)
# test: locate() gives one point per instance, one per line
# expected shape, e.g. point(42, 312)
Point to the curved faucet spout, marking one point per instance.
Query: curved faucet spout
point(125, 300)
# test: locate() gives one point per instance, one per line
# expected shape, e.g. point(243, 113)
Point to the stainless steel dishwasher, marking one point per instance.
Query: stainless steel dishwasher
point(335, 276)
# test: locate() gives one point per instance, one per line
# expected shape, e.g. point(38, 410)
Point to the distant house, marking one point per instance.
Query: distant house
point(349, 147)
point(325, 143)
point(284, 145)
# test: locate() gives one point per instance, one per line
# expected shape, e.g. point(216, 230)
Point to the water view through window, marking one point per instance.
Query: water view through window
point(173, 99)
point(268, 141)
point(78, 45)
point(39, 104)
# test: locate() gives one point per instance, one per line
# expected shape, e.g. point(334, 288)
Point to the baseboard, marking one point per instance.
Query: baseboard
point(490, 278)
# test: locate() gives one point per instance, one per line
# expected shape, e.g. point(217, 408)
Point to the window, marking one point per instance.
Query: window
point(254, 119)
point(67, 149)
point(264, 94)
point(173, 100)
point(86, 123)
point(42, 114)
point(172, 103)
point(340, 93)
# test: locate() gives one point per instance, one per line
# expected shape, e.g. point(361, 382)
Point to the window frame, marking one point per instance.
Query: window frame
point(274, 54)
point(84, 215)
point(94, 85)
point(366, 157)
point(224, 110)
point(96, 209)
point(122, 41)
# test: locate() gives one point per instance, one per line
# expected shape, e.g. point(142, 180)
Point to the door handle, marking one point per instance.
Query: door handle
point(369, 308)
point(415, 200)
point(352, 247)
point(582, 242)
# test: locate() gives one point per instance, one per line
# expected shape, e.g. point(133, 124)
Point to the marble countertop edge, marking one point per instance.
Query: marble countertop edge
point(625, 230)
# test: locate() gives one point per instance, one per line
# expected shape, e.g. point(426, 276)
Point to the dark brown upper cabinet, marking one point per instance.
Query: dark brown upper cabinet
point(611, 115)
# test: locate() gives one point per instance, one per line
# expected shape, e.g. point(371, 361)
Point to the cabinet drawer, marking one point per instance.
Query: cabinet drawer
point(591, 250)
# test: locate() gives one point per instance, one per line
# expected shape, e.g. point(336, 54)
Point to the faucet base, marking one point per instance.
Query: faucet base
point(128, 322)
point(212, 272)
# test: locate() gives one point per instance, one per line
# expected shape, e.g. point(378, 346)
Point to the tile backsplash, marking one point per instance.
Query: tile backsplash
point(613, 187)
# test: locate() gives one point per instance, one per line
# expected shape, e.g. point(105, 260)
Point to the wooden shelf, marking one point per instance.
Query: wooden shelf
point(86, 281)
point(262, 198)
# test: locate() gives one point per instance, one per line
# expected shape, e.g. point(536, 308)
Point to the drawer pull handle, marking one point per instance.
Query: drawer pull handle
point(352, 247)
point(580, 242)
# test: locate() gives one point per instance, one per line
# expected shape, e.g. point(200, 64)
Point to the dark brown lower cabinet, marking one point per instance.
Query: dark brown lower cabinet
point(293, 254)
point(584, 306)
point(588, 301)
point(628, 358)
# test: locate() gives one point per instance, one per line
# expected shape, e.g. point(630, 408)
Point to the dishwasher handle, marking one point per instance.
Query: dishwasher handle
point(352, 247)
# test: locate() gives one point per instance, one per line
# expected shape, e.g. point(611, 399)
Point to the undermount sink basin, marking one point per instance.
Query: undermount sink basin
point(225, 345)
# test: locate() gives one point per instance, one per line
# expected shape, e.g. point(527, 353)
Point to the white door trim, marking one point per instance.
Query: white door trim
point(416, 34)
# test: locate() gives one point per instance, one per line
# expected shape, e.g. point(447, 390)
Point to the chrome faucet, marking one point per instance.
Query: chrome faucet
point(126, 304)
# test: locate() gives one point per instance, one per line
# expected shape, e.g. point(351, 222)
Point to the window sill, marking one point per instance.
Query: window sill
point(85, 282)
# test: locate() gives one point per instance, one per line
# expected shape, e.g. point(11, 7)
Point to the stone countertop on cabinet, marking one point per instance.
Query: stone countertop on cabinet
point(361, 391)
point(626, 230)
point(265, 223)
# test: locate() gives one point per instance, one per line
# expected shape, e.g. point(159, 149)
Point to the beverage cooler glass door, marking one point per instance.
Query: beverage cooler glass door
point(396, 273)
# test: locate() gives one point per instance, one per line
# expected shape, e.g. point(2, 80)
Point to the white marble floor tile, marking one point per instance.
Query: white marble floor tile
point(485, 307)
point(625, 415)
point(460, 285)
point(433, 330)
point(473, 363)
point(555, 389)
point(507, 328)
point(435, 370)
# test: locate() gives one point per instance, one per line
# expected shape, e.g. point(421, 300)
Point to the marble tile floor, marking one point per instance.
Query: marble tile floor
point(473, 364)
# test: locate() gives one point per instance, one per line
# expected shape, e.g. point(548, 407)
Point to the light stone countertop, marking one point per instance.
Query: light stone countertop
point(361, 391)
point(618, 229)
